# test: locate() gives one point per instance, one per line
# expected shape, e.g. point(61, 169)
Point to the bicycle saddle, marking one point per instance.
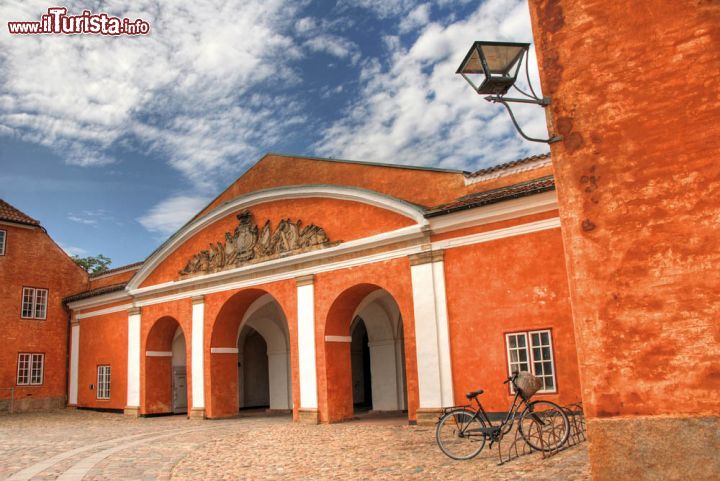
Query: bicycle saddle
point(472, 394)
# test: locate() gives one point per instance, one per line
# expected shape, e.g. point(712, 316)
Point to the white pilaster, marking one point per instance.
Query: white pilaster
point(306, 342)
point(133, 369)
point(74, 363)
point(432, 340)
point(198, 353)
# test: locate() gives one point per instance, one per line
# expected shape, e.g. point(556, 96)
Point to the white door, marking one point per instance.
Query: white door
point(179, 389)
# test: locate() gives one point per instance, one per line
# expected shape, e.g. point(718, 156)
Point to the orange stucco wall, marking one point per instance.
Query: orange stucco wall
point(32, 259)
point(638, 181)
point(508, 285)
point(342, 221)
point(103, 340)
point(337, 295)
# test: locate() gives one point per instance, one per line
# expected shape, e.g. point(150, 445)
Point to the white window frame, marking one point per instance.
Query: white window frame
point(530, 358)
point(103, 381)
point(30, 299)
point(27, 376)
point(3, 241)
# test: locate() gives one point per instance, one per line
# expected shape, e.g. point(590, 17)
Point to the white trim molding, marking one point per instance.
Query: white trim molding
point(197, 352)
point(74, 363)
point(530, 227)
point(100, 312)
point(338, 339)
point(506, 210)
point(158, 353)
point(224, 350)
point(306, 342)
point(280, 193)
point(133, 359)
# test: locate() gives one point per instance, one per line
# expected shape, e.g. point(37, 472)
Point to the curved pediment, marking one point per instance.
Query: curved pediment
point(275, 224)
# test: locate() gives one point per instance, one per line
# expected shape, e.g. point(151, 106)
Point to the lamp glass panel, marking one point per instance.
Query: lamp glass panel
point(501, 58)
point(473, 64)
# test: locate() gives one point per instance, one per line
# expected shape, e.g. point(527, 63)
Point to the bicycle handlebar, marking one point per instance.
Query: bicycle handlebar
point(511, 378)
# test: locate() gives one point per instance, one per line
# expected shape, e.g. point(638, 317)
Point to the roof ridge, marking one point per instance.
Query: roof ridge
point(115, 269)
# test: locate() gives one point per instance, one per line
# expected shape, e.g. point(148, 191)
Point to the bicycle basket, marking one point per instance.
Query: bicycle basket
point(528, 384)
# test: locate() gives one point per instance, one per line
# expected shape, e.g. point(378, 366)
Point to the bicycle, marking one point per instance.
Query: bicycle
point(462, 431)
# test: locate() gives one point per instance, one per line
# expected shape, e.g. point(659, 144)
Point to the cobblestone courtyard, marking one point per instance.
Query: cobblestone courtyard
point(74, 445)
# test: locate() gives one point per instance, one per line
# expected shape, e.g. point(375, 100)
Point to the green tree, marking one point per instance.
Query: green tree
point(93, 264)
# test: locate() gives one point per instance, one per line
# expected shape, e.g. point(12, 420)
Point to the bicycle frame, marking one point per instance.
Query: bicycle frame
point(505, 425)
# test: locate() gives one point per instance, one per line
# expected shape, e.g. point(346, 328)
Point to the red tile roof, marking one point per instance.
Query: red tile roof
point(477, 199)
point(116, 269)
point(96, 292)
point(509, 165)
point(9, 213)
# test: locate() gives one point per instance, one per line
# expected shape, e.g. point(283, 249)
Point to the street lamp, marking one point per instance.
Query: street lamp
point(492, 68)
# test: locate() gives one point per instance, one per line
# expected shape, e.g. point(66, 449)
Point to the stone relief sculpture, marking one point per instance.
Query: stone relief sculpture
point(248, 244)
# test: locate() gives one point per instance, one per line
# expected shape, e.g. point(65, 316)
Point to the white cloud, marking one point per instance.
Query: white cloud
point(417, 111)
point(417, 18)
point(169, 215)
point(74, 251)
point(80, 94)
point(337, 46)
point(382, 8)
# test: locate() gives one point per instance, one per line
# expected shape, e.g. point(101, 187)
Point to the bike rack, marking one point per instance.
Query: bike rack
point(518, 447)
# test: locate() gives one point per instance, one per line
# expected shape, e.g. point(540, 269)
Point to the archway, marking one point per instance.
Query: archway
point(250, 355)
point(365, 353)
point(165, 373)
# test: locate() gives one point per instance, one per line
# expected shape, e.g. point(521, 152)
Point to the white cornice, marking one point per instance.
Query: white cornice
point(100, 312)
point(511, 209)
point(281, 193)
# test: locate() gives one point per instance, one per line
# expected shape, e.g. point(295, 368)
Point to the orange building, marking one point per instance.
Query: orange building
point(323, 287)
point(35, 276)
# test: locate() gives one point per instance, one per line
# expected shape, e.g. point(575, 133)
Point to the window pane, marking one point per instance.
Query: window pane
point(512, 341)
point(40, 303)
point(549, 383)
point(546, 353)
point(521, 341)
point(537, 354)
point(545, 338)
point(37, 369)
point(538, 369)
point(23, 376)
point(2, 242)
point(535, 339)
point(27, 302)
point(523, 355)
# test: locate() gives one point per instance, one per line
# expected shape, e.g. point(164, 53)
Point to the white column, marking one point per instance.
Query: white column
point(74, 362)
point(432, 341)
point(133, 368)
point(198, 354)
point(306, 342)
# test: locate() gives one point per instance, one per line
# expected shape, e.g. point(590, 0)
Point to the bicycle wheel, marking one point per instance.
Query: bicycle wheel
point(544, 426)
point(456, 436)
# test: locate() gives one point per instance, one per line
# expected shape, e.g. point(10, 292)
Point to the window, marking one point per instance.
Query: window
point(30, 369)
point(532, 352)
point(34, 303)
point(103, 382)
point(3, 234)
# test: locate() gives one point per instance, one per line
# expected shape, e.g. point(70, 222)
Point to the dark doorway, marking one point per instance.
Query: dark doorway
point(361, 376)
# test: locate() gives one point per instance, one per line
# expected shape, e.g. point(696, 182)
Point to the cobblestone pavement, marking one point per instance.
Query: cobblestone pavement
point(73, 445)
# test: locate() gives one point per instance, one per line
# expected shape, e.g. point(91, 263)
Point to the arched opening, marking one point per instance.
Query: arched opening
point(365, 345)
point(165, 386)
point(250, 368)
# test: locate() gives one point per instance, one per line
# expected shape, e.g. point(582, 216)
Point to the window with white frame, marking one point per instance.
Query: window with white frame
point(103, 382)
point(532, 352)
point(30, 369)
point(3, 235)
point(34, 303)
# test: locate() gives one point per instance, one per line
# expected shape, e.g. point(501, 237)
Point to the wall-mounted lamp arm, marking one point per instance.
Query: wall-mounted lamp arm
point(545, 101)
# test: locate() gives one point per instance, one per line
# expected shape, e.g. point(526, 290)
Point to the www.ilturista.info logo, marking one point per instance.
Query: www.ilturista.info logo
point(58, 21)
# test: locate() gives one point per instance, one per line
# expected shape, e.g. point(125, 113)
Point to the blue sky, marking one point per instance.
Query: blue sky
point(113, 143)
